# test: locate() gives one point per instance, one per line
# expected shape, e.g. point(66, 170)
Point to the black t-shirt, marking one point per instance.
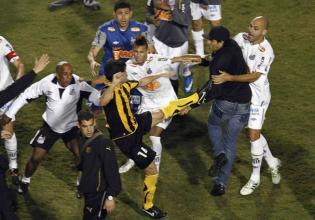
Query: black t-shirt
point(229, 59)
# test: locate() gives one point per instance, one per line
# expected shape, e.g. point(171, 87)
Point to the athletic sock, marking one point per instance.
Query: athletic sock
point(198, 41)
point(270, 159)
point(11, 148)
point(149, 190)
point(178, 105)
point(157, 147)
point(26, 179)
point(257, 155)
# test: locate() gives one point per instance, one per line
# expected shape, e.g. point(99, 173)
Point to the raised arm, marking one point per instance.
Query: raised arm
point(146, 80)
point(97, 44)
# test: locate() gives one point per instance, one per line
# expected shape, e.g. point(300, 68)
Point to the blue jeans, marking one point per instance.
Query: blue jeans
point(225, 122)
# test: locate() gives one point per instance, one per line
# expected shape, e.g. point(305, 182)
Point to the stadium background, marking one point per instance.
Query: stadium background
point(183, 185)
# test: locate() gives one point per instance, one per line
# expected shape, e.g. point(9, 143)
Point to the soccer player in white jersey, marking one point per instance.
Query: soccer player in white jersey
point(63, 91)
point(8, 55)
point(211, 11)
point(258, 55)
point(156, 94)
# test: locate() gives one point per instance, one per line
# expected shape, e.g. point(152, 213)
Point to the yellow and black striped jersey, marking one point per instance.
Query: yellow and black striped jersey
point(118, 112)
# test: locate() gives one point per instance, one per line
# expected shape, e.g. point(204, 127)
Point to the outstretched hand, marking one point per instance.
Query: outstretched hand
point(41, 63)
point(93, 67)
point(191, 59)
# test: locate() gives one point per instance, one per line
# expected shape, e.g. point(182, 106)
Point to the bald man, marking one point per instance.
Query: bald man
point(63, 92)
point(258, 55)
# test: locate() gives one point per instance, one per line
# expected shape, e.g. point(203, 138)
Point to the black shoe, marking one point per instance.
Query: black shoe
point(23, 188)
point(218, 190)
point(219, 161)
point(14, 173)
point(154, 212)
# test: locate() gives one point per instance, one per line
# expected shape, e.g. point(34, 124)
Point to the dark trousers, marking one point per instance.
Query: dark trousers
point(93, 207)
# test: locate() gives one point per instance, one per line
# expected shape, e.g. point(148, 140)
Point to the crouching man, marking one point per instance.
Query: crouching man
point(100, 180)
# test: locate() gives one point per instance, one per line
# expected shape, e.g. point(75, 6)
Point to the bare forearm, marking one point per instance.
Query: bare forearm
point(107, 95)
point(248, 77)
point(146, 80)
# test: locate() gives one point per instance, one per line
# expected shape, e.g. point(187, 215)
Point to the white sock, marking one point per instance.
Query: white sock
point(11, 148)
point(26, 179)
point(198, 41)
point(257, 152)
point(157, 147)
point(270, 159)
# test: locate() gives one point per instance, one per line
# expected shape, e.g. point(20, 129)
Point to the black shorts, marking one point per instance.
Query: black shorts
point(93, 207)
point(132, 145)
point(45, 137)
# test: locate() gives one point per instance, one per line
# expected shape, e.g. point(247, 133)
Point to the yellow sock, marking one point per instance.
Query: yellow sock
point(180, 104)
point(149, 190)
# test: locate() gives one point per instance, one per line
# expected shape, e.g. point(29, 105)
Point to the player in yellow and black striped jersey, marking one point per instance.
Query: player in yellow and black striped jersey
point(127, 129)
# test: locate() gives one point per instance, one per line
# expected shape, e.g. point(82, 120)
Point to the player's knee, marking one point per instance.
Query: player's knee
point(216, 23)
point(151, 169)
point(197, 25)
point(253, 135)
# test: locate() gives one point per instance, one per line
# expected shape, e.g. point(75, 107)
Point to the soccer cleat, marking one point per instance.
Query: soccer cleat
point(58, 4)
point(154, 212)
point(218, 190)
point(249, 187)
point(275, 174)
point(14, 173)
point(23, 188)
point(188, 83)
point(127, 166)
point(176, 106)
point(219, 161)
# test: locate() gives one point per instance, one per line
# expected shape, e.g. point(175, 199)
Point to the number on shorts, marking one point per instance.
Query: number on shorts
point(143, 152)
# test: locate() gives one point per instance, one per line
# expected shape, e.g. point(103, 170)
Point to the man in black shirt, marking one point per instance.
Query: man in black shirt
point(100, 180)
point(230, 108)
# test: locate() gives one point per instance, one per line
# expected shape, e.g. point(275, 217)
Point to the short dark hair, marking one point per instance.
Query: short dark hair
point(141, 41)
point(85, 115)
point(122, 4)
point(112, 67)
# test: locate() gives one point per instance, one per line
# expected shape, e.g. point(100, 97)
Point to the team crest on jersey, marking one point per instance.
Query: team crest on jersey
point(72, 92)
point(162, 59)
point(252, 56)
point(111, 29)
point(115, 42)
point(135, 29)
point(88, 150)
point(261, 48)
point(149, 71)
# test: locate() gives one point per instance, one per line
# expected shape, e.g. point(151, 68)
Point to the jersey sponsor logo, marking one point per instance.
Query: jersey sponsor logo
point(72, 92)
point(111, 29)
point(152, 86)
point(162, 59)
point(245, 36)
point(134, 73)
point(252, 56)
point(108, 148)
point(135, 29)
point(149, 71)
point(261, 62)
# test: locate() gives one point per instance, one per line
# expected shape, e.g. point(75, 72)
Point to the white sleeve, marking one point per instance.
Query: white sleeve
point(7, 50)
point(100, 39)
point(32, 92)
point(264, 62)
point(90, 93)
point(239, 38)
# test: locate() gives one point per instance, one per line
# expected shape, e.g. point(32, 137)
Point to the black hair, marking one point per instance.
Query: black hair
point(121, 4)
point(112, 67)
point(85, 115)
point(141, 41)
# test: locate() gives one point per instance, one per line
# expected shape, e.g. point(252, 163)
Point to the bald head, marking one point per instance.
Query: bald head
point(64, 73)
point(262, 21)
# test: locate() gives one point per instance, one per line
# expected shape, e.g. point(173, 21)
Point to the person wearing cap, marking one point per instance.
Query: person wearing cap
point(63, 93)
point(259, 55)
point(230, 108)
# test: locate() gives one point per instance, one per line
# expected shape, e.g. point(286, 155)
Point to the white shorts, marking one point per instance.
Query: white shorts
point(164, 124)
point(167, 51)
point(213, 13)
point(257, 116)
point(6, 107)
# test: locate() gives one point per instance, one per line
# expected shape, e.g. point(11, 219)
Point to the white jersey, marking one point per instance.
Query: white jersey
point(61, 103)
point(7, 54)
point(258, 58)
point(157, 93)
